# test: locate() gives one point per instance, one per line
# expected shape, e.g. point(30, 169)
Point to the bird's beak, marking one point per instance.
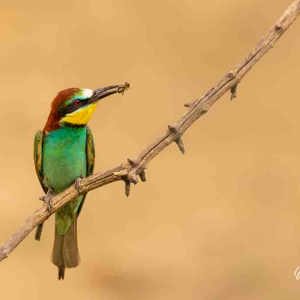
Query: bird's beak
point(109, 90)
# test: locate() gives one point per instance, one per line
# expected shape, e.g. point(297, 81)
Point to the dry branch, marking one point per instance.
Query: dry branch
point(131, 170)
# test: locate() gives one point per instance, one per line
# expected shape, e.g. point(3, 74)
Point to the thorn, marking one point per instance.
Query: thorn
point(179, 143)
point(127, 187)
point(178, 139)
point(188, 105)
point(230, 75)
point(128, 179)
point(143, 175)
point(132, 162)
point(233, 91)
point(172, 129)
point(278, 27)
point(205, 108)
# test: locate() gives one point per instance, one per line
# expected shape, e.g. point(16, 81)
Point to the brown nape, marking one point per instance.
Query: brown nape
point(53, 118)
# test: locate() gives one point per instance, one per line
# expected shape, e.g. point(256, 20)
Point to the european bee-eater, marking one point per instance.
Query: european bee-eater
point(64, 153)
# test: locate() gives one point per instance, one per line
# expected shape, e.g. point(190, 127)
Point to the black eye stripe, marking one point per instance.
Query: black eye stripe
point(76, 104)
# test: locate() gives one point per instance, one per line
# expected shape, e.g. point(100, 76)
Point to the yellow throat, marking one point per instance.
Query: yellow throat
point(80, 116)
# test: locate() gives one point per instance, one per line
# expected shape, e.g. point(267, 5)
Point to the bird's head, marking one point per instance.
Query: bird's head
point(75, 107)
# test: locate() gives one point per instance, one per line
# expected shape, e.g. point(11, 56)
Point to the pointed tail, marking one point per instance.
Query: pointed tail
point(65, 250)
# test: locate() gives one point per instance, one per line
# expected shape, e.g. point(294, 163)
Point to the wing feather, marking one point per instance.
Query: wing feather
point(38, 157)
point(90, 159)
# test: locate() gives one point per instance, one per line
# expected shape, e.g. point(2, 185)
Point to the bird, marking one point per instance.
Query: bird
point(64, 153)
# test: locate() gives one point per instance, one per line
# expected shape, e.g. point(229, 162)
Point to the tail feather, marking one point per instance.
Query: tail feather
point(65, 250)
point(61, 273)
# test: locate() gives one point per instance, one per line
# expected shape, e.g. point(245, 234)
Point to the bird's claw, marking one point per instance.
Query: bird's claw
point(47, 199)
point(78, 184)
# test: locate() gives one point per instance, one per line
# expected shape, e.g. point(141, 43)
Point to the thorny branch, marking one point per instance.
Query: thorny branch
point(132, 169)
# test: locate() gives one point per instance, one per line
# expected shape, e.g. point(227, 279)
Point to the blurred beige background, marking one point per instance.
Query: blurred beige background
point(221, 222)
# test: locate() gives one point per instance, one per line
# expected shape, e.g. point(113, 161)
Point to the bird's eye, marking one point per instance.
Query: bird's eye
point(76, 102)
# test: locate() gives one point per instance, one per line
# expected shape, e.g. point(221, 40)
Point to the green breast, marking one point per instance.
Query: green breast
point(64, 157)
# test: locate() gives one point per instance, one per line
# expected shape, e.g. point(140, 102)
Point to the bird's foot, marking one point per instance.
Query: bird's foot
point(78, 184)
point(48, 200)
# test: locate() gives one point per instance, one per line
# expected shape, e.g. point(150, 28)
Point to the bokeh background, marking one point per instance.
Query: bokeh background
point(221, 222)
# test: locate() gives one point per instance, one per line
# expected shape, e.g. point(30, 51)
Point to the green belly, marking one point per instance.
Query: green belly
point(64, 160)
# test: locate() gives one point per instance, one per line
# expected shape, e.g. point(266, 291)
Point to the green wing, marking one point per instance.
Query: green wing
point(38, 162)
point(90, 159)
point(90, 152)
point(38, 157)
